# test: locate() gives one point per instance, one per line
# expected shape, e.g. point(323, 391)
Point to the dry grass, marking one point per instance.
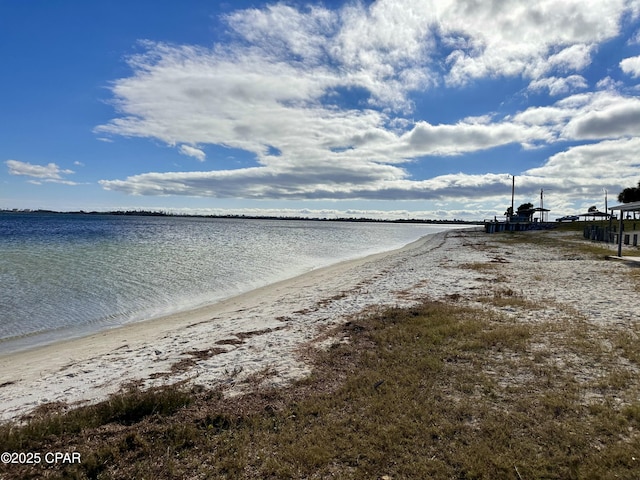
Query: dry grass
point(572, 245)
point(481, 267)
point(571, 237)
point(434, 391)
point(506, 297)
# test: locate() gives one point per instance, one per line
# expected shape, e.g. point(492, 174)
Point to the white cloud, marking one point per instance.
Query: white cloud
point(631, 66)
point(282, 30)
point(192, 152)
point(49, 173)
point(582, 172)
point(609, 83)
point(280, 87)
point(514, 37)
point(249, 183)
point(559, 86)
point(327, 180)
point(586, 116)
point(572, 59)
point(635, 39)
point(354, 154)
point(605, 116)
point(426, 139)
point(385, 49)
point(593, 162)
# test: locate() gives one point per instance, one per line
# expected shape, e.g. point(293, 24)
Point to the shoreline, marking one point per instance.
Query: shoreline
point(533, 334)
point(241, 334)
point(262, 336)
point(79, 334)
point(99, 302)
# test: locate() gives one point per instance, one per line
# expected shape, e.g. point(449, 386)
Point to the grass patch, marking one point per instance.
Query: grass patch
point(570, 246)
point(597, 250)
point(507, 297)
point(435, 391)
point(571, 236)
point(482, 267)
point(125, 408)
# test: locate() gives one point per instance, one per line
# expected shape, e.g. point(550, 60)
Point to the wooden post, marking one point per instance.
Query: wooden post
point(610, 226)
point(620, 235)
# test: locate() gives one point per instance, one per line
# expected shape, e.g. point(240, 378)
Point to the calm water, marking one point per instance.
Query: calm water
point(68, 275)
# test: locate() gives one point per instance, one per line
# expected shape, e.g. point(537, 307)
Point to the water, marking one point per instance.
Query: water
point(69, 275)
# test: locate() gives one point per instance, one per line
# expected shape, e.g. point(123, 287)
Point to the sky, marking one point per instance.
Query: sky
point(384, 109)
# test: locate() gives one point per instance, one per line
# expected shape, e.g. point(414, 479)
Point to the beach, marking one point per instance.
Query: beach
point(271, 328)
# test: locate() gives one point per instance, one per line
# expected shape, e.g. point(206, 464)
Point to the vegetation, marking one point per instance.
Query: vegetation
point(631, 194)
point(434, 391)
point(525, 210)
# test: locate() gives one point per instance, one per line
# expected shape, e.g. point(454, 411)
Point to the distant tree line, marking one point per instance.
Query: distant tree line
point(152, 213)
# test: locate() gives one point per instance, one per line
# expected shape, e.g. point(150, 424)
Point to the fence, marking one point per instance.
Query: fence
point(610, 235)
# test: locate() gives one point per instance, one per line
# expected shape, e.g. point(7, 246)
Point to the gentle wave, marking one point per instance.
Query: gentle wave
point(65, 275)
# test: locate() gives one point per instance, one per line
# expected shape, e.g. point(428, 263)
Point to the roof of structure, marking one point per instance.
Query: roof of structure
point(595, 214)
point(626, 207)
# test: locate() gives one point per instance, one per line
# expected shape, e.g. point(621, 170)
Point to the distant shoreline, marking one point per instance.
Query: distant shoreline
point(155, 213)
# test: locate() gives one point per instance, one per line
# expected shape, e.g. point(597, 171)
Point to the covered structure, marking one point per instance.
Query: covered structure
point(594, 214)
point(541, 211)
point(625, 207)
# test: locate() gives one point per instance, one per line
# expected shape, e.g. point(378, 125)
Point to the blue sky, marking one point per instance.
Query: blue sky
point(391, 108)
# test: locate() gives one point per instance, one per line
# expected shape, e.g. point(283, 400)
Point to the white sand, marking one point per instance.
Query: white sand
point(267, 328)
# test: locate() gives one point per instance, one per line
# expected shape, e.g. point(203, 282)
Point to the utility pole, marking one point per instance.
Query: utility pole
point(513, 191)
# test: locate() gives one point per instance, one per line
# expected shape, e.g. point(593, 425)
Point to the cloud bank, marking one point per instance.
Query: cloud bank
point(325, 99)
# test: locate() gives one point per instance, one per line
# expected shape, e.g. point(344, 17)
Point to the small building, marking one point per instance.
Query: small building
point(542, 212)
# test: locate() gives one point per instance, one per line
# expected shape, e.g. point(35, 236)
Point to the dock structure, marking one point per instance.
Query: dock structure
point(496, 226)
point(519, 222)
point(622, 237)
